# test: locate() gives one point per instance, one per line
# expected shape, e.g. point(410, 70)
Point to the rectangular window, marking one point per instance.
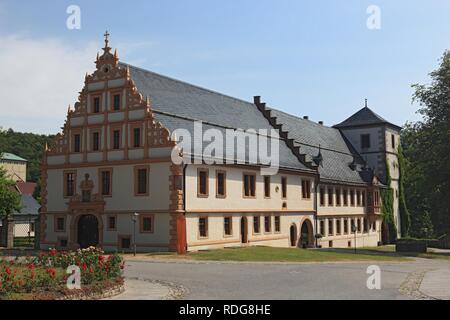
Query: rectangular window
point(267, 186)
point(256, 224)
point(69, 183)
point(202, 183)
point(353, 226)
point(322, 196)
point(125, 242)
point(95, 141)
point(365, 141)
point(146, 224)
point(352, 197)
point(105, 182)
point(227, 226)
point(330, 196)
point(267, 224)
point(283, 187)
point(366, 225)
point(363, 198)
point(330, 227)
point(345, 196)
point(345, 226)
point(277, 224)
point(393, 141)
point(141, 181)
point(77, 142)
point(249, 185)
point(322, 228)
point(306, 189)
point(338, 196)
point(116, 139)
point(358, 197)
point(220, 184)
point(60, 224)
point(136, 137)
point(96, 103)
point(116, 102)
point(111, 223)
point(203, 227)
point(338, 226)
point(358, 222)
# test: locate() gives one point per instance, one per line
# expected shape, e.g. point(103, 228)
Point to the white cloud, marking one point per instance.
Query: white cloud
point(39, 79)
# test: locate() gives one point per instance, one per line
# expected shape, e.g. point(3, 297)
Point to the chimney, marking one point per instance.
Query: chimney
point(257, 99)
point(305, 117)
point(321, 123)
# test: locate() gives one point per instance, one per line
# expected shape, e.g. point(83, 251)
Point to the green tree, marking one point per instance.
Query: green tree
point(427, 150)
point(9, 197)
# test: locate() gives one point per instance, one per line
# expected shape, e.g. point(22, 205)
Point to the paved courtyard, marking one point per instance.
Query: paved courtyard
point(418, 279)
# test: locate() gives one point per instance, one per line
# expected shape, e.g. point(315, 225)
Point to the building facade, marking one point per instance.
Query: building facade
point(109, 178)
point(15, 166)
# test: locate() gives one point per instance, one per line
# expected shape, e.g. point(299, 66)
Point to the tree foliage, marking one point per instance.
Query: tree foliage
point(29, 146)
point(9, 197)
point(427, 151)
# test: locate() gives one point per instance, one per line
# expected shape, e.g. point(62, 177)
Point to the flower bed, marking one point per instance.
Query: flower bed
point(45, 276)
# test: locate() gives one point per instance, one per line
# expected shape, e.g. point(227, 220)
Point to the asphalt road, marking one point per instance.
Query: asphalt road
point(282, 281)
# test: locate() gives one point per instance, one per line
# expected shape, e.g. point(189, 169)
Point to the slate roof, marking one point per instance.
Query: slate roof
point(11, 157)
point(29, 206)
point(364, 117)
point(337, 152)
point(177, 104)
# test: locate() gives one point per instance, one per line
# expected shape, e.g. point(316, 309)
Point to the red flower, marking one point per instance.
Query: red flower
point(31, 266)
point(101, 259)
point(8, 270)
point(53, 252)
point(51, 272)
point(84, 266)
point(91, 270)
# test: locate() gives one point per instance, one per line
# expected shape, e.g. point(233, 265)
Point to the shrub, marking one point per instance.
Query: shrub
point(47, 271)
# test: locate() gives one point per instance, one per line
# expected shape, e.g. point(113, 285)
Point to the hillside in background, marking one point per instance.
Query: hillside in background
point(29, 146)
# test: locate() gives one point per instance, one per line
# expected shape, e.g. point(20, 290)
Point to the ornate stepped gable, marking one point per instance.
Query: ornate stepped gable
point(109, 69)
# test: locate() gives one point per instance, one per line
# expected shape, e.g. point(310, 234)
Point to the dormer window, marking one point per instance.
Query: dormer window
point(365, 141)
point(116, 102)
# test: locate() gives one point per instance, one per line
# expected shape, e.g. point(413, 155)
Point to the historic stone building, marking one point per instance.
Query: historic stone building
point(109, 178)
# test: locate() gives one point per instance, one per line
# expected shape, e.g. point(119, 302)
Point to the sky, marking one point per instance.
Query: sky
point(315, 58)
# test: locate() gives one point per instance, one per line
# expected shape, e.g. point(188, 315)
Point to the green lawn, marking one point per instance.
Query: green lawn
point(270, 254)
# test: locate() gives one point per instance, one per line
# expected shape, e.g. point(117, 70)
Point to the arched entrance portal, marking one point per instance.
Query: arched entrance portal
point(293, 235)
point(87, 231)
point(306, 234)
point(243, 230)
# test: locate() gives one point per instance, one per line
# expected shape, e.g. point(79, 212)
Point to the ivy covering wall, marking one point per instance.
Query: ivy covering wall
point(387, 206)
point(405, 217)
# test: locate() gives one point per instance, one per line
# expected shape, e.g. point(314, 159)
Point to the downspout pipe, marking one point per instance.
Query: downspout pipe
point(316, 188)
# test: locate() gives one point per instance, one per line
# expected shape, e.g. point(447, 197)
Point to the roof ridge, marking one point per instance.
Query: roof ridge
point(187, 83)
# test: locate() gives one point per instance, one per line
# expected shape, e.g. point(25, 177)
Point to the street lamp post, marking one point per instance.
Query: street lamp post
point(354, 232)
point(135, 217)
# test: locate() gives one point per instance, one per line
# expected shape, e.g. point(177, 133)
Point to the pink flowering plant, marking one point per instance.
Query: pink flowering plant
point(47, 272)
